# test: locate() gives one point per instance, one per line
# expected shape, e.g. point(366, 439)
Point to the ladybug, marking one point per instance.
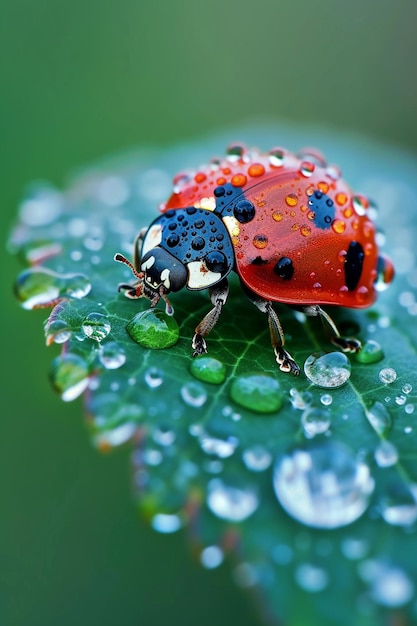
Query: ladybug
point(287, 224)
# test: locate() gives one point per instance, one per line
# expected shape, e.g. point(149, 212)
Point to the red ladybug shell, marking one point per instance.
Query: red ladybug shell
point(285, 231)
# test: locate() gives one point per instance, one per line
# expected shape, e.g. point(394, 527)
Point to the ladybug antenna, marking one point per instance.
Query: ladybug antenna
point(169, 309)
point(122, 259)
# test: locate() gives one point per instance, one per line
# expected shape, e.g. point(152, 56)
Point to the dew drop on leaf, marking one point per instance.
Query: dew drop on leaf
point(40, 287)
point(222, 448)
point(56, 331)
point(399, 506)
point(379, 418)
point(166, 523)
point(257, 458)
point(389, 585)
point(386, 454)
point(329, 370)
point(211, 557)
point(208, 369)
point(315, 422)
point(193, 394)
point(153, 377)
point(371, 352)
point(96, 326)
point(153, 329)
point(257, 392)
point(387, 375)
point(311, 578)
point(111, 355)
point(69, 376)
point(232, 503)
point(323, 486)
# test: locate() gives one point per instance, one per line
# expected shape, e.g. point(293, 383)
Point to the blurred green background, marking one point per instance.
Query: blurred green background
point(87, 78)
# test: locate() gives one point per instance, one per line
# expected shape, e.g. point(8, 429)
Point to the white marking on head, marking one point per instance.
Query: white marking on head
point(147, 264)
point(165, 278)
point(200, 277)
point(153, 238)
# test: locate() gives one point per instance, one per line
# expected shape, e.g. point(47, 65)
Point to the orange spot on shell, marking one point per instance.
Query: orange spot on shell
point(200, 177)
point(291, 199)
point(348, 212)
point(260, 241)
point(341, 198)
point(305, 231)
point(277, 216)
point(339, 226)
point(256, 169)
point(239, 180)
point(221, 181)
point(323, 186)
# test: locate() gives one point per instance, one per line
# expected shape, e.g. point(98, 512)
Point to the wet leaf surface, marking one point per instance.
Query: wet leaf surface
point(313, 489)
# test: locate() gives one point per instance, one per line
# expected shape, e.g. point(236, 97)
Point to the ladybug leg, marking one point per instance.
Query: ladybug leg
point(283, 358)
point(346, 344)
point(218, 296)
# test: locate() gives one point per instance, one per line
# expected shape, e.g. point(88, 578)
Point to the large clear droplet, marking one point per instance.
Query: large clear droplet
point(232, 503)
point(96, 326)
point(328, 370)
point(379, 418)
point(41, 287)
point(323, 486)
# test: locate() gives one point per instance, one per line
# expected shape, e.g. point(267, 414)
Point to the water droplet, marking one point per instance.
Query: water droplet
point(208, 369)
point(257, 458)
point(42, 205)
point(409, 408)
point(307, 168)
point(166, 523)
point(211, 557)
point(193, 394)
point(222, 448)
point(326, 399)
point(232, 503)
point(407, 388)
point(311, 578)
point(154, 377)
point(399, 507)
point(276, 157)
point(56, 331)
point(323, 486)
point(152, 457)
point(328, 370)
point(354, 549)
point(106, 440)
point(291, 199)
point(153, 329)
point(389, 585)
point(379, 418)
point(387, 375)
point(315, 422)
point(69, 376)
point(96, 326)
point(386, 454)
point(400, 400)
point(257, 392)
point(300, 400)
point(260, 241)
point(111, 355)
point(371, 352)
point(41, 287)
point(163, 436)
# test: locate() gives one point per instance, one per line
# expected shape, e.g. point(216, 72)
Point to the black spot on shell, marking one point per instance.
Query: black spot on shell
point(216, 262)
point(259, 261)
point(353, 264)
point(198, 243)
point(284, 268)
point(172, 240)
point(244, 211)
point(191, 210)
point(219, 192)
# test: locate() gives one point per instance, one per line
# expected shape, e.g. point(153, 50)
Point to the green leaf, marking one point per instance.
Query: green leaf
point(313, 491)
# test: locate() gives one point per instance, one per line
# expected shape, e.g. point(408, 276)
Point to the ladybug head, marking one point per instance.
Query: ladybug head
point(159, 274)
point(162, 273)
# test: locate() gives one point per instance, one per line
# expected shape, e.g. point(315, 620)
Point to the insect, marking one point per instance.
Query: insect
point(287, 224)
